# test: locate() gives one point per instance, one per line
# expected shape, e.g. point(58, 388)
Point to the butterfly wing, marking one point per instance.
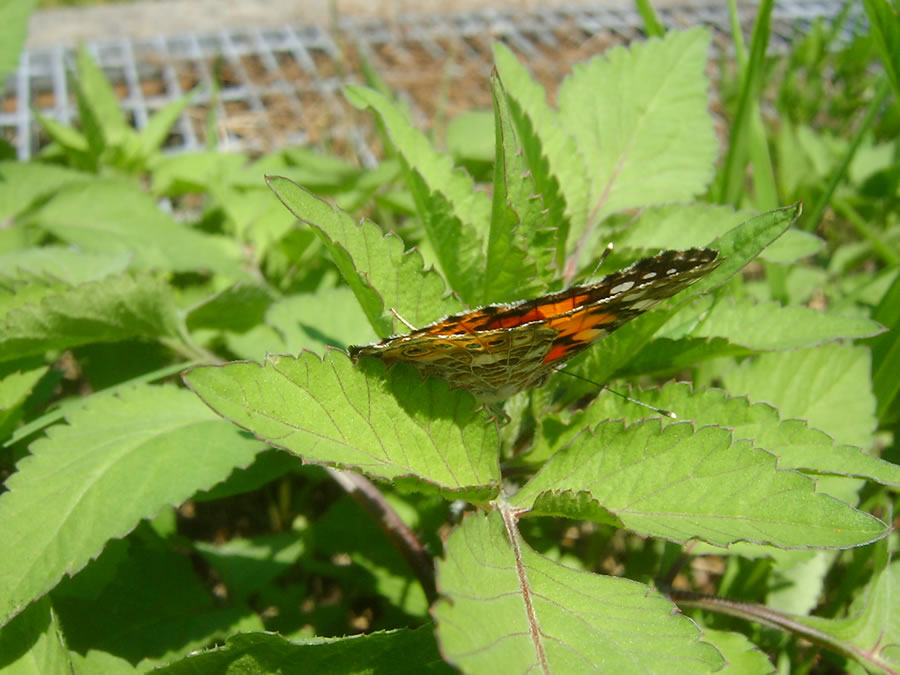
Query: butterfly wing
point(498, 350)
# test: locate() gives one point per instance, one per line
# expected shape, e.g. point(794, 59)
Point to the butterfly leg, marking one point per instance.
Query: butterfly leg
point(402, 320)
point(497, 414)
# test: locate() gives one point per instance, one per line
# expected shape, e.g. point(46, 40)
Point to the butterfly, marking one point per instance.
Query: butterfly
point(498, 350)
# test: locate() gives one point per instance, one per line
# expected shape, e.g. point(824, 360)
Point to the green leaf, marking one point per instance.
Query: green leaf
point(144, 603)
point(558, 168)
point(793, 245)
point(769, 326)
point(65, 264)
point(25, 291)
point(374, 265)
point(101, 662)
point(311, 168)
point(639, 118)
point(74, 145)
point(884, 20)
point(99, 108)
point(113, 216)
point(470, 136)
point(118, 460)
point(519, 235)
point(792, 441)
point(680, 484)
point(24, 183)
point(741, 654)
point(328, 318)
point(393, 426)
point(15, 387)
point(398, 651)
point(506, 608)
point(886, 352)
point(195, 171)
point(254, 217)
point(680, 226)
point(154, 134)
point(113, 309)
point(797, 586)
point(829, 386)
point(455, 215)
point(13, 30)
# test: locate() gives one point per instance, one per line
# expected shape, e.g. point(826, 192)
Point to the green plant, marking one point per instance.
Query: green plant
point(106, 143)
point(586, 519)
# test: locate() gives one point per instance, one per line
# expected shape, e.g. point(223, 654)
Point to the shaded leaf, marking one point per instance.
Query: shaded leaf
point(246, 565)
point(148, 605)
point(33, 642)
point(66, 264)
point(665, 355)
point(237, 308)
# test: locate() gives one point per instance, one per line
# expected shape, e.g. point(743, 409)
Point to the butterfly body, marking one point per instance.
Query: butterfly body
point(498, 350)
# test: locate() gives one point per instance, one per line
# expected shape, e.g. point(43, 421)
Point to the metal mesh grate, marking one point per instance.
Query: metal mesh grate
point(280, 86)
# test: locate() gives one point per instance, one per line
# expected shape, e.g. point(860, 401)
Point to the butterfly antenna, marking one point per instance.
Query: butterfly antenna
point(660, 411)
point(603, 256)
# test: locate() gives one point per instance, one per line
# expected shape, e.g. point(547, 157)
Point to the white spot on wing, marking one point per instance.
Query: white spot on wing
point(649, 275)
point(621, 288)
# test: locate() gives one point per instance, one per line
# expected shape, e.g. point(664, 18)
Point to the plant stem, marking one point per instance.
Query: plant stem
point(732, 176)
point(765, 616)
point(652, 25)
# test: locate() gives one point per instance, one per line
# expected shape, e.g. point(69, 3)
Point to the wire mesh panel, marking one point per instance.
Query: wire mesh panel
point(273, 86)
